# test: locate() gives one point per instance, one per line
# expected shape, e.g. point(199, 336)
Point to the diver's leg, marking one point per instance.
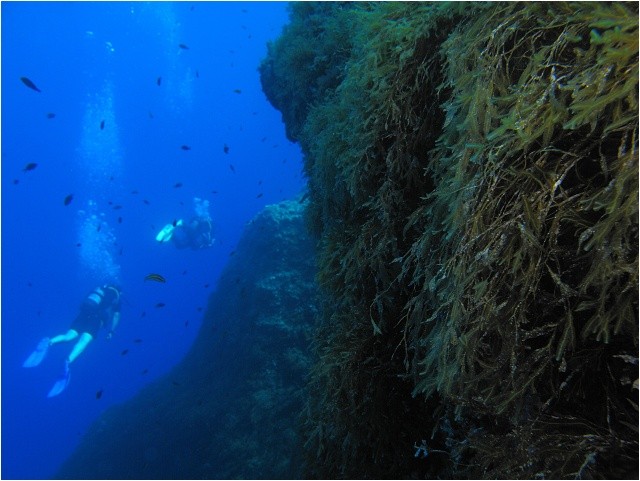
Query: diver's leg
point(85, 339)
point(69, 336)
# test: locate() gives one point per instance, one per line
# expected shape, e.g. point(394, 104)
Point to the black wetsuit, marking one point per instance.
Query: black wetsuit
point(195, 234)
point(97, 310)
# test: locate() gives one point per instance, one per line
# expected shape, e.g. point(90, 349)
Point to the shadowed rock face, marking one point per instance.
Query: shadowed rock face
point(230, 409)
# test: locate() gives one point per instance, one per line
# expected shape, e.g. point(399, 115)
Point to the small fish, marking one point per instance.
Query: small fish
point(16, 181)
point(144, 371)
point(30, 166)
point(237, 91)
point(155, 277)
point(159, 81)
point(175, 222)
point(183, 46)
point(233, 169)
point(186, 323)
point(99, 227)
point(30, 84)
point(160, 304)
point(143, 314)
point(135, 192)
point(197, 74)
point(68, 199)
point(120, 252)
point(232, 253)
point(206, 286)
point(102, 125)
point(177, 184)
point(185, 147)
point(259, 195)
point(184, 272)
point(226, 149)
point(124, 352)
point(51, 115)
point(137, 341)
point(99, 393)
point(117, 207)
point(146, 201)
point(79, 244)
point(214, 191)
point(119, 220)
point(150, 114)
point(175, 383)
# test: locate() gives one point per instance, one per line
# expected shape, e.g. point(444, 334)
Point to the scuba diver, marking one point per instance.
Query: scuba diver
point(196, 234)
point(100, 307)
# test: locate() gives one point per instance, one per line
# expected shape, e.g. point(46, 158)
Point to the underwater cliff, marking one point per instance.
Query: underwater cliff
point(473, 179)
point(230, 408)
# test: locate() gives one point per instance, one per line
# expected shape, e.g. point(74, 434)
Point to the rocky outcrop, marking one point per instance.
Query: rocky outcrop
point(230, 409)
point(473, 179)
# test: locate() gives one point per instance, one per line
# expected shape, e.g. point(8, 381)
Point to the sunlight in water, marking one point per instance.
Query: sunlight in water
point(178, 78)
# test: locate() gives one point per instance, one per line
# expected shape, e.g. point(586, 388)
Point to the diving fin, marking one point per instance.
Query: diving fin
point(38, 355)
point(165, 234)
point(62, 382)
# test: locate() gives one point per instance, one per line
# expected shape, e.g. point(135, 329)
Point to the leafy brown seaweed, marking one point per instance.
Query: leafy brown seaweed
point(473, 173)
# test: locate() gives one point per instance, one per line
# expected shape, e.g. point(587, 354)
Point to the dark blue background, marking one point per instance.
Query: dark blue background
point(63, 49)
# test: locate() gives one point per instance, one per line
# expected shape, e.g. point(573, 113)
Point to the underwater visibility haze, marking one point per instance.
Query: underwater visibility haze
point(116, 116)
point(442, 282)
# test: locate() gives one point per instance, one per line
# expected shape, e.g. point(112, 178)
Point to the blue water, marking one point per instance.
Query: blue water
point(97, 62)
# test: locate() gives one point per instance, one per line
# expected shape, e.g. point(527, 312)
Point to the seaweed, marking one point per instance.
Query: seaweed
point(297, 72)
point(473, 176)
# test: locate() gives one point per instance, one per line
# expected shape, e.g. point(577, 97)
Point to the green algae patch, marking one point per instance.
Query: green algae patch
point(473, 176)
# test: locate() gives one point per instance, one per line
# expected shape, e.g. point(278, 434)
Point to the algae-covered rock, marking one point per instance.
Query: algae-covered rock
point(300, 72)
point(473, 177)
point(234, 412)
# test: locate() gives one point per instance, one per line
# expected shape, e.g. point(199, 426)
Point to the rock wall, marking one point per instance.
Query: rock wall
point(473, 178)
point(230, 409)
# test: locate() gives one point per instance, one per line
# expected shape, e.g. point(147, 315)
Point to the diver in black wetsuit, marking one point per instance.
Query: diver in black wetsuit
point(99, 309)
point(196, 234)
